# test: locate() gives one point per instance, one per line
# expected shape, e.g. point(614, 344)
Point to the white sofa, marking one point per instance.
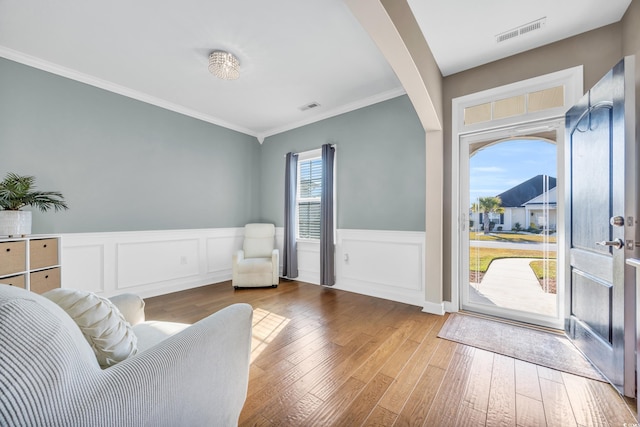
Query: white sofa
point(49, 374)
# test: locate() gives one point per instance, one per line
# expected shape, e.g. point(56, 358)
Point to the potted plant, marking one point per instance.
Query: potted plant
point(16, 192)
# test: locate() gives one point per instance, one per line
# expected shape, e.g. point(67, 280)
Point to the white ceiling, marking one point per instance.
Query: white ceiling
point(292, 52)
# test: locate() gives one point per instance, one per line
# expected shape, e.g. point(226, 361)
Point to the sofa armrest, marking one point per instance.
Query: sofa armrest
point(238, 256)
point(196, 377)
point(131, 306)
point(275, 260)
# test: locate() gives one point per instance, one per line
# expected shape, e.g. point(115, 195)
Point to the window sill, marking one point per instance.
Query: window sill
point(302, 240)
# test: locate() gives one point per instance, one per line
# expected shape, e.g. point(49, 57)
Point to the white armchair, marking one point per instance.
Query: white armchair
point(257, 264)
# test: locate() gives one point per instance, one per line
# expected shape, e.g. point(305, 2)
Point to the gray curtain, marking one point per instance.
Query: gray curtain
point(327, 228)
point(290, 253)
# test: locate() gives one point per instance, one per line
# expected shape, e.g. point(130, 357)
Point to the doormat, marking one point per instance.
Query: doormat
point(547, 349)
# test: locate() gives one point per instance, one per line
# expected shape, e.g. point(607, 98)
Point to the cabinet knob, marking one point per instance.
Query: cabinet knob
point(8, 249)
point(45, 245)
point(46, 277)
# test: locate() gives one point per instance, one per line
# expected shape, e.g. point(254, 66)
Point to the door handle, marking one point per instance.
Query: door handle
point(617, 243)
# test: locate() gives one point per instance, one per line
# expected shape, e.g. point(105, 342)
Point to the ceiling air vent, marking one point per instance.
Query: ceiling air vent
point(521, 30)
point(309, 106)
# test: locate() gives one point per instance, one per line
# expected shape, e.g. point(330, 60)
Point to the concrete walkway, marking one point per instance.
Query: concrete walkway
point(510, 283)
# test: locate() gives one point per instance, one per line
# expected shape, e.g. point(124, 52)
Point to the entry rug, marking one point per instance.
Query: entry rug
point(548, 349)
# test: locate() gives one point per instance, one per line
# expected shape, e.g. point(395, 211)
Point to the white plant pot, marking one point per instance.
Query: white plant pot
point(15, 223)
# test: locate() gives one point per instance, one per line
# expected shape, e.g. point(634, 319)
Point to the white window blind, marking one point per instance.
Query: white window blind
point(309, 192)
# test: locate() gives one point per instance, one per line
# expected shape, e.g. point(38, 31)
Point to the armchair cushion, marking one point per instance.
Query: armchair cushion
point(255, 265)
point(103, 326)
point(258, 240)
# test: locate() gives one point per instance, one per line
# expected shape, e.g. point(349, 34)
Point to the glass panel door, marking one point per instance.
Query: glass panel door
point(510, 245)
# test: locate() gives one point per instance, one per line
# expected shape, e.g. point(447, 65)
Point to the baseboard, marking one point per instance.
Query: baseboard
point(450, 307)
point(433, 308)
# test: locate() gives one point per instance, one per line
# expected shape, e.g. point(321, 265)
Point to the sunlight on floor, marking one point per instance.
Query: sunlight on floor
point(266, 326)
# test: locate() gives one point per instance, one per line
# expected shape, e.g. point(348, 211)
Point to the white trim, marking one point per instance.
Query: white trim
point(382, 263)
point(148, 263)
point(69, 73)
point(571, 78)
point(557, 125)
point(316, 153)
point(434, 308)
point(375, 99)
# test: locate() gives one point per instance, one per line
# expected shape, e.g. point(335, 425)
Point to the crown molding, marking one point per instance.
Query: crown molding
point(384, 96)
point(69, 73)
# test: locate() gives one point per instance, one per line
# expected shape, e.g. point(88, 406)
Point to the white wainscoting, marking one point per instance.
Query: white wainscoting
point(148, 263)
point(383, 264)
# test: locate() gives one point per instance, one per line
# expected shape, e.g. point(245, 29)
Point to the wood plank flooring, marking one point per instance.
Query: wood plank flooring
point(324, 357)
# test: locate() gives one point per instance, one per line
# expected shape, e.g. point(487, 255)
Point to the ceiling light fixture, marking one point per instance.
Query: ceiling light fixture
point(224, 65)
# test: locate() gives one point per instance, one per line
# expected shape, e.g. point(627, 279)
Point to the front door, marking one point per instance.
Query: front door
point(602, 214)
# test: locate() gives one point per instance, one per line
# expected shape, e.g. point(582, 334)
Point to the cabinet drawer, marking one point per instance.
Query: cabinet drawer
point(43, 253)
point(17, 281)
point(44, 280)
point(13, 257)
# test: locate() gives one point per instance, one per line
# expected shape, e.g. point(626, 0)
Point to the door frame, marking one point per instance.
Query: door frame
point(570, 79)
point(525, 131)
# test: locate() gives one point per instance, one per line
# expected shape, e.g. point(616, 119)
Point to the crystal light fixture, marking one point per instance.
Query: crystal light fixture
point(224, 65)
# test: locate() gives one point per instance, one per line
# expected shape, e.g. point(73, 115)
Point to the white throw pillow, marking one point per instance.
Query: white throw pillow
point(101, 323)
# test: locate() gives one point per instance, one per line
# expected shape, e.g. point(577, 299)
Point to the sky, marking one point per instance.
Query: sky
point(497, 168)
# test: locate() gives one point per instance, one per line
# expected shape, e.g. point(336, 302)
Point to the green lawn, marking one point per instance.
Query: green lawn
point(538, 268)
point(480, 258)
point(512, 237)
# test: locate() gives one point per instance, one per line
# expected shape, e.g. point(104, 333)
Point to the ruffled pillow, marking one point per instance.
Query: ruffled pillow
point(105, 329)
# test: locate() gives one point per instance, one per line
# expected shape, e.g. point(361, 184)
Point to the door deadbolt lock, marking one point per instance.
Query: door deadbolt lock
point(617, 221)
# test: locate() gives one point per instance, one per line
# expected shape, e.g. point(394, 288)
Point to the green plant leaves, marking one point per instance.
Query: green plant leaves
point(18, 191)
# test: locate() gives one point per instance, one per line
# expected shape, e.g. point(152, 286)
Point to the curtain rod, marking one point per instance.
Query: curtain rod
point(295, 154)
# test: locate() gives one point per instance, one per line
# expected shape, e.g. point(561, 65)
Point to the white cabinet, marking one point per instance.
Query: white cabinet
point(31, 263)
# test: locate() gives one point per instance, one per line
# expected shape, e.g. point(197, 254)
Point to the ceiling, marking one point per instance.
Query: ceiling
point(292, 53)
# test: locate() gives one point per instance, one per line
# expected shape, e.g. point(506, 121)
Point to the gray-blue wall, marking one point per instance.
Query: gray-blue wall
point(120, 163)
point(125, 165)
point(380, 161)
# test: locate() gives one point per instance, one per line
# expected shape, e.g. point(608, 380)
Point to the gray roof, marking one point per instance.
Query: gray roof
point(522, 193)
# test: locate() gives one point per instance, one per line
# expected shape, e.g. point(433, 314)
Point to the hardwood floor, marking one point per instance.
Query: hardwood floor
point(324, 357)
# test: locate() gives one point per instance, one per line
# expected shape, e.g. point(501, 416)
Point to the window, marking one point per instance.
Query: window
point(308, 198)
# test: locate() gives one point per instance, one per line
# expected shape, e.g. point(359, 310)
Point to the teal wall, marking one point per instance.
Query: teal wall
point(124, 165)
point(380, 161)
point(120, 163)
